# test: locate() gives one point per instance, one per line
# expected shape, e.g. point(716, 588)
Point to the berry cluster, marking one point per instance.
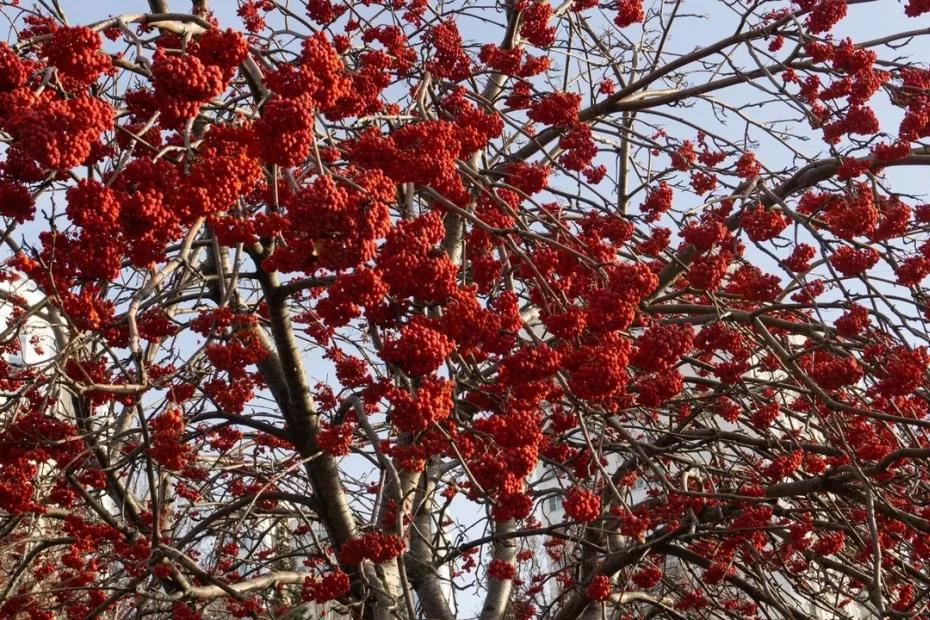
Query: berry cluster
point(431, 403)
point(832, 372)
point(799, 260)
point(658, 201)
point(824, 14)
point(582, 505)
point(534, 25)
point(852, 262)
point(374, 546)
point(334, 225)
point(903, 370)
point(599, 589)
point(629, 12)
point(648, 576)
point(58, 134)
point(579, 147)
point(168, 445)
point(662, 346)
point(329, 587)
point(16, 202)
point(75, 52)
point(747, 166)
point(449, 60)
point(501, 570)
point(558, 108)
point(419, 349)
point(763, 224)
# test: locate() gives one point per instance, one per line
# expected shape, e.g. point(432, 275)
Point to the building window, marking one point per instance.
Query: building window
point(554, 505)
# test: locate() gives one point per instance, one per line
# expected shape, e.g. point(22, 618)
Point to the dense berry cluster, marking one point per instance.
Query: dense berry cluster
point(16, 202)
point(832, 372)
point(582, 505)
point(75, 52)
point(58, 134)
point(168, 445)
point(419, 349)
point(374, 546)
point(599, 589)
point(658, 201)
point(339, 224)
point(501, 570)
point(824, 14)
point(431, 403)
point(328, 587)
point(629, 12)
point(851, 262)
point(559, 108)
point(534, 26)
point(662, 346)
point(763, 224)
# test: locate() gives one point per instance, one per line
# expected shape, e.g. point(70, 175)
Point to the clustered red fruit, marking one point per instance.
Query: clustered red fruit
point(31, 440)
point(75, 52)
point(852, 262)
point(336, 440)
point(830, 543)
point(184, 81)
point(449, 59)
point(903, 369)
point(58, 134)
point(784, 465)
point(411, 265)
point(168, 445)
point(419, 349)
point(629, 12)
point(513, 62)
point(824, 14)
point(662, 346)
point(328, 587)
point(800, 258)
point(599, 588)
point(339, 224)
point(16, 202)
point(915, 8)
point(747, 166)
point(853, 322)
point(560, 109)
point(534, 25)
point(658, 201)
point(579, 148)
point(648, 576)
point(832, 372)
point(13, 70)
point(286, 130)
point(655, 390)
point(431, 403)
point(684, 157)
point(374, 546)
point(912, 270)
point(762, 224)
point(501, 570)
point(582, 505)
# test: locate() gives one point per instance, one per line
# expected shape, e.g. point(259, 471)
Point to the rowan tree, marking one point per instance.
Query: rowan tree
point(324, 302)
